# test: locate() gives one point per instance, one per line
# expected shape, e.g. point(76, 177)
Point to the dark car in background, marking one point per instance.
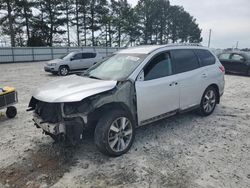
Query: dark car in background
point(236, 62)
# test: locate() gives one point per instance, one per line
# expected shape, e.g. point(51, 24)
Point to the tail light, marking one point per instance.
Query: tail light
point(222, 69)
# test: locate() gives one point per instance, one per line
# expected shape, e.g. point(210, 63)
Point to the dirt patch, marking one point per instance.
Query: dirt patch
point(41, 167)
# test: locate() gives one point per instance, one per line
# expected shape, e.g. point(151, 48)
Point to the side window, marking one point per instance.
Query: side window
point(206, 58)
point(159, 66)
point(184, 60)
point(237, 57)
point(225, 56)
point(77, 56)
point(88, 55)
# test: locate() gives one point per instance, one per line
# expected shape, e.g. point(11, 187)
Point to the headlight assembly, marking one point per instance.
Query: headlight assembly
point(76, 107)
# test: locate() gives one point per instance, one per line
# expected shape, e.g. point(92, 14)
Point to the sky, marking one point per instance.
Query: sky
point(229, 20)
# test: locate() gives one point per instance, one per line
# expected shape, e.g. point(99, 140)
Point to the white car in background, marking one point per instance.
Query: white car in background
point(73, 61)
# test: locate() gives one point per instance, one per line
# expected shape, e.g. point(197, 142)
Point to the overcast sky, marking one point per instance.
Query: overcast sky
point(228, 19)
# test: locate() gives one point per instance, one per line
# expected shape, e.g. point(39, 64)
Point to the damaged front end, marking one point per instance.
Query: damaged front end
point(62, 121)
point(67, 121)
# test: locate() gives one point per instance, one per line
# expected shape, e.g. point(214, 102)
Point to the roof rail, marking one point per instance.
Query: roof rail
point(184, 44)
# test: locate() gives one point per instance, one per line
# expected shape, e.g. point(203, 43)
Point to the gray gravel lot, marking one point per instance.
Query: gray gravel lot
point(183, 151)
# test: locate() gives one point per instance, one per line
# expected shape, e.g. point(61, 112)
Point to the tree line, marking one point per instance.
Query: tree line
point(95, 23)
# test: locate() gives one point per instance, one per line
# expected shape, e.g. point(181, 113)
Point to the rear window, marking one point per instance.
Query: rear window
point(184, 60)
point(205, 57)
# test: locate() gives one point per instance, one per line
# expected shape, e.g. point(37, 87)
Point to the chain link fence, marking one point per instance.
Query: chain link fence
point(32, 54)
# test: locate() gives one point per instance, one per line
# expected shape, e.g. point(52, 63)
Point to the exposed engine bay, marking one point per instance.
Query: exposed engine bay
point(68, 121)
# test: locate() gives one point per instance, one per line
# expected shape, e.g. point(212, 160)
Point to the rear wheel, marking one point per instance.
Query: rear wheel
point(63, 70)
point(11, 112)
point(208, 101)
point(114, 133)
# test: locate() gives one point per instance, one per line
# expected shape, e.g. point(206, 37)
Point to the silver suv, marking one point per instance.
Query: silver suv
point(73, 61)
point(134, 87)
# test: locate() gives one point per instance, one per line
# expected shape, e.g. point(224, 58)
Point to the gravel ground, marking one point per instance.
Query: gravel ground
point(182, 151)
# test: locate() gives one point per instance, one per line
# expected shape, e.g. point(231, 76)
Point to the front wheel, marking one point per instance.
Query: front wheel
point(63, 71)
point(114, 133)
point(248, 72)
point(208, 101)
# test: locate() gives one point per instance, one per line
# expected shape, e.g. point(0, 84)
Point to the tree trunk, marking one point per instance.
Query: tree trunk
point(67, 15)
point(119, 31)
point(51, 25)
point(106, 34)
point(77, 24)
point(27, 22)
point(92, 26)
point(110, 36)
point(85, 29)
point(10, 18)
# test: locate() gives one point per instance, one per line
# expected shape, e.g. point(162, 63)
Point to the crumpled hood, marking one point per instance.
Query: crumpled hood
point(72, 88)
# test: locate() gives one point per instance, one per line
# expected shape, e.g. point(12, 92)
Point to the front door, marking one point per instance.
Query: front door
point(226, 61)
point(76, 61)
point(238, 64)
point(157, 91)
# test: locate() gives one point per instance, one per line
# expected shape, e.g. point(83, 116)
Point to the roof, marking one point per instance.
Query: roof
point(146, 49)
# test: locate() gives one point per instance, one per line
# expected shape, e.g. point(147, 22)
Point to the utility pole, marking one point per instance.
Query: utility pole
point(237, 44)
point(209, 39)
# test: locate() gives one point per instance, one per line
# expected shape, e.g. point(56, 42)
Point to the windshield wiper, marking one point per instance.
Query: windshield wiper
point(94, 77)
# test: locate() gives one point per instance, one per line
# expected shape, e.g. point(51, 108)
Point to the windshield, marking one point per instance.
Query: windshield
point(66, 56)
point(117, 67)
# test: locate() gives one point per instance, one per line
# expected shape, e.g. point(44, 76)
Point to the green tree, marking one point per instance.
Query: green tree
point(8, 20)
point(53, 17)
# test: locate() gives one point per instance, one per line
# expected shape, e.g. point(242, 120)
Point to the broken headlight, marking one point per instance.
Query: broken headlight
point(76, 107)
point(70, 108)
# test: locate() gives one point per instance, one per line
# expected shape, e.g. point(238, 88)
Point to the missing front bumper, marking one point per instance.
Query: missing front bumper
point(52, 128)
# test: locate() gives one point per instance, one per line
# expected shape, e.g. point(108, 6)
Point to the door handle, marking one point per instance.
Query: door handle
point(173, 84)
point(204, 75)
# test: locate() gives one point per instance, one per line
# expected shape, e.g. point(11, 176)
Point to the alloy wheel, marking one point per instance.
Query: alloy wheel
point(209, 101)
point(64, 71)
point(120, 134)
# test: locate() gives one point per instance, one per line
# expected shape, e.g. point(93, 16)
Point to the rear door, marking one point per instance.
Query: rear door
point(157, 91)
point(191, 77)
point(88, 59)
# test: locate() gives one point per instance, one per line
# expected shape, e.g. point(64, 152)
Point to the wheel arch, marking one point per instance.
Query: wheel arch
point(64, 65)
point(96, 114)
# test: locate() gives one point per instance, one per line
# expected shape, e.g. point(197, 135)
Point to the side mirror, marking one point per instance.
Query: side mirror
point(71, 59)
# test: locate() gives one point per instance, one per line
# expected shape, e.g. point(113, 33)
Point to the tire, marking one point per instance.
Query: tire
point(248, 72)
point(63, 71)
point(208, 101)
point(111, 138)
point(11, 112)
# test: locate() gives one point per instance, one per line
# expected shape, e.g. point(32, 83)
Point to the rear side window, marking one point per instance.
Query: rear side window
point(159, 66)
point(88, 55)
point(237, 57)
point(224, 56)
point(205, 57)
point(184, 60)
